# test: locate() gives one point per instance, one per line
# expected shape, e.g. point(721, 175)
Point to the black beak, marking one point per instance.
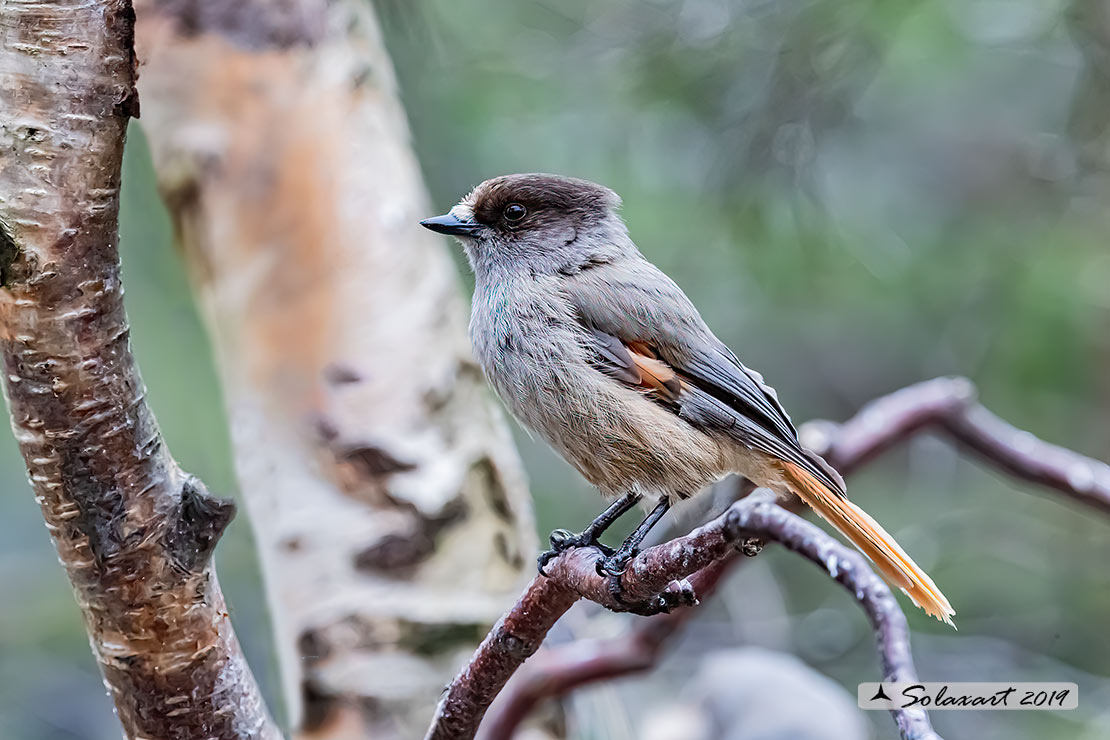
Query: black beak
point(449, 224)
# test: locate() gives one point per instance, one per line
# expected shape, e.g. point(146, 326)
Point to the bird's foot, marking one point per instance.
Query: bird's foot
point(617, 562)
point(562, 540)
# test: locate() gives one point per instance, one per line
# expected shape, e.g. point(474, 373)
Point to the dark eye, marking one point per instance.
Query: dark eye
point(514, 212)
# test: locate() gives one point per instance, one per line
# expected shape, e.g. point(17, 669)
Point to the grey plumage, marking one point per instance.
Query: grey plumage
point(550, 299)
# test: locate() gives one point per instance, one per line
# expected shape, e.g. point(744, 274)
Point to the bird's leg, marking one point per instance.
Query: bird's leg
point(562, 540)
point(614, 564)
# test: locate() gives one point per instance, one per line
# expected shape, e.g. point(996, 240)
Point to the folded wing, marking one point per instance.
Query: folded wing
point(652, 339)
point(645, 332)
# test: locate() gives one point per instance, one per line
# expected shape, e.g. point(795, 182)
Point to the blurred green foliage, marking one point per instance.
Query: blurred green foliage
point(858, 194)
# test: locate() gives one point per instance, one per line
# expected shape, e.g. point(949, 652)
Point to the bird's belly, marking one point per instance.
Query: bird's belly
point(531, 351)
point(619, 440)
point(652, 469)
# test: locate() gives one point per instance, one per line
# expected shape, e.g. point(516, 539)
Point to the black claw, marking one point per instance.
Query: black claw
point(616, 589)
point(615, 564)
point(561, 539)
point(545, 558)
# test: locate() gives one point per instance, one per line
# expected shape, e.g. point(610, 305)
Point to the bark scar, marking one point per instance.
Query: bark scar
point(9, 253)
point(197, 527)
point(374, 461)
point(120, 18)
point(398, 552)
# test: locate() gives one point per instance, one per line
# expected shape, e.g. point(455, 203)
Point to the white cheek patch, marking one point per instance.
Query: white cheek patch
point(463, 212)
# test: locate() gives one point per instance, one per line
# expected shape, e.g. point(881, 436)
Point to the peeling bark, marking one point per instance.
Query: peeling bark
point(133, 531)
point(369, 454)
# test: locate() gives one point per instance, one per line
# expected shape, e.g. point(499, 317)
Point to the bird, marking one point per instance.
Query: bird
point(596, 350)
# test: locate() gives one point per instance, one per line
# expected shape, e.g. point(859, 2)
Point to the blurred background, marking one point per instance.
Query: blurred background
point(859, 195)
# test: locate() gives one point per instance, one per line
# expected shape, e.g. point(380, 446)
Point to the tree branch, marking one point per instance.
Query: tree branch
point(656, 581)
point(515, 637)
point(949, 405)
point(133, 531)
point(848, 568)
point(945, 404)
point(557, 672)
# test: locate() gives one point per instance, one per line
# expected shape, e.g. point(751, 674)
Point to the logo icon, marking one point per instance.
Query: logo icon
point(880, 694)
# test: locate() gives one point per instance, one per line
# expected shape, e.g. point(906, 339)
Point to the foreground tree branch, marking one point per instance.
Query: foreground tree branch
point(370, 456)
point(656, 581)
point(556, 672)
point(947, 405)
point(133, 531)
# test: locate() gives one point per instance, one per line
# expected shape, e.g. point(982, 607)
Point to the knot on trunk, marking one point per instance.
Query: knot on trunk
point(196, 526)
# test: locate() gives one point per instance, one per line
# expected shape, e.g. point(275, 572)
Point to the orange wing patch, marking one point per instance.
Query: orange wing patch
point(655, 375)
point(636, 364)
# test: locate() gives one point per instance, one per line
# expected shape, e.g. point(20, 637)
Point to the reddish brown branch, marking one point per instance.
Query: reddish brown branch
point(949, 405)
point(657, 580)
point(946, 404)
point(653, 584)
point(557, 672)
point(848, 568)
point(515, 637)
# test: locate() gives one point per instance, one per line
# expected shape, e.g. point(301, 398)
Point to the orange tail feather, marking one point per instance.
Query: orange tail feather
point(872, 540)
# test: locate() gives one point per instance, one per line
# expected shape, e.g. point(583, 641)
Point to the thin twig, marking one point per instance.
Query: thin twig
point(848, 568)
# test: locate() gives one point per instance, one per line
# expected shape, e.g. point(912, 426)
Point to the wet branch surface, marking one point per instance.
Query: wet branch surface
point(134, 532)
point(680, 572)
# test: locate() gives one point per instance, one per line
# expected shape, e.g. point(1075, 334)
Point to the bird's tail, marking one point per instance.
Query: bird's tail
point(872, 540)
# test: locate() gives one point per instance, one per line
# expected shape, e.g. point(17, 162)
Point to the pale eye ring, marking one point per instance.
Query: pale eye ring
point(515, 213)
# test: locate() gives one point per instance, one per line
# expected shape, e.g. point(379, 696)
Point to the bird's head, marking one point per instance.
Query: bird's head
point(535, 222)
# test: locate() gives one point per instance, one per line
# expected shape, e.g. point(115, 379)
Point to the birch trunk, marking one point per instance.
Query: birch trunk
point(385, 494)
point(133, 531)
